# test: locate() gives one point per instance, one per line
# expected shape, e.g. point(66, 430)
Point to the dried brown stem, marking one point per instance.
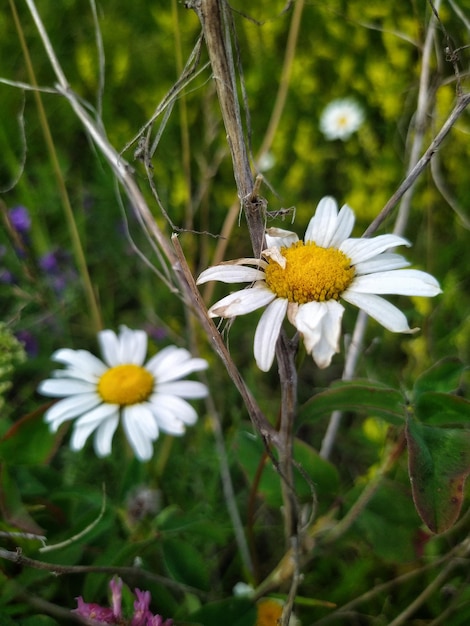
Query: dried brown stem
point(213, 15)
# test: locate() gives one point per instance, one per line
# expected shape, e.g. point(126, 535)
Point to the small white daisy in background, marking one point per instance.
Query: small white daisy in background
point(266, 161)
point(242, 589)
point(340, 119)
point(147, 399)
point(306, 279)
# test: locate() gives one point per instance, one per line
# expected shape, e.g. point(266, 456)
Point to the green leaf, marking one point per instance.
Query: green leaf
point(437, 408)
point(362, 396)
point(5, 620)
point(12, 509)
point(379, 521)
point(233, 611)
point(439, 463)
point(185, 564)
point(443, 376)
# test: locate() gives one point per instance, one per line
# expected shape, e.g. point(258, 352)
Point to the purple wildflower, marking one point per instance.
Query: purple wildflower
point(20, 219)
point(6, 277)
point(57, 266)
point(49, 262)
point(29, 342)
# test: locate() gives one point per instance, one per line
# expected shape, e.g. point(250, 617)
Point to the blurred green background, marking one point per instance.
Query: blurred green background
point(370, 52)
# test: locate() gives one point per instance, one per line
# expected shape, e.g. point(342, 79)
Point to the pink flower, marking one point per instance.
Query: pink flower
point(141, 608)
point(101, 615)
point(95, 612)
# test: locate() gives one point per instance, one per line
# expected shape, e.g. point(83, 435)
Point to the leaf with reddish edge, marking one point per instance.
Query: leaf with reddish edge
point(439, 463)
point(29, 440)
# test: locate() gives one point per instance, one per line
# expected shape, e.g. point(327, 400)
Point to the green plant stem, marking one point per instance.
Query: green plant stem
point(183, 111)
point(66, 205)
point(284, 83)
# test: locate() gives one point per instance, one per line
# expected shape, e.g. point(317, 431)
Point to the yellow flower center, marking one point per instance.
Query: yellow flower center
point(311, 273)
point(269, 612)
point(126, 384)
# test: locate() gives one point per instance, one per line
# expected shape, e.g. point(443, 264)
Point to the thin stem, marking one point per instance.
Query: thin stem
point(432, 588)
point(183, 112)
point(288, 384)
point(269, 135)
point(419, 122)
point(462, 103)
point(257, 417)
point(284, 83)
point(131, 572)
point(358, 507)
point(79, 254)
point(122, 170)
point(213, 17)
point(352, 356)
point(405, 191)
point(228, 489)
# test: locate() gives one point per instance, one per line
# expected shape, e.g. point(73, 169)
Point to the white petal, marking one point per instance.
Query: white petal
point(184, 389)
point(320, 325)
point(166, 359)
point(322, 226)
point(383, 262)
point(98, 414)
point(84, 364)
point(388, 315)
point(183, 369)
point(243, 301)
point(57, 388)
point(89, 422)
point(180, 408)
point(173, 363)
point(109, 345)
point(273, 253)
point(69, 408)
point(80, 435)
point(141, 429)
point(400, 282)
point(104, 436)
point(132, 345)
point(362, 249)
point(328, 344)
point(279, 238)
point(231, 274)
point(344, 226)
point(267, 333)
point(167, 421)
point(77, 374)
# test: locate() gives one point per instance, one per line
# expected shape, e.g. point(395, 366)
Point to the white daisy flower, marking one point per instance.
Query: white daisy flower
point(146, 398)
point(305, 280)
point(340, 119)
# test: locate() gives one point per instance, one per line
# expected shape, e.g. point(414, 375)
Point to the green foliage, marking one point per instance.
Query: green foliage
point(181, 544)
point(235, 611)
point(11, 354)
